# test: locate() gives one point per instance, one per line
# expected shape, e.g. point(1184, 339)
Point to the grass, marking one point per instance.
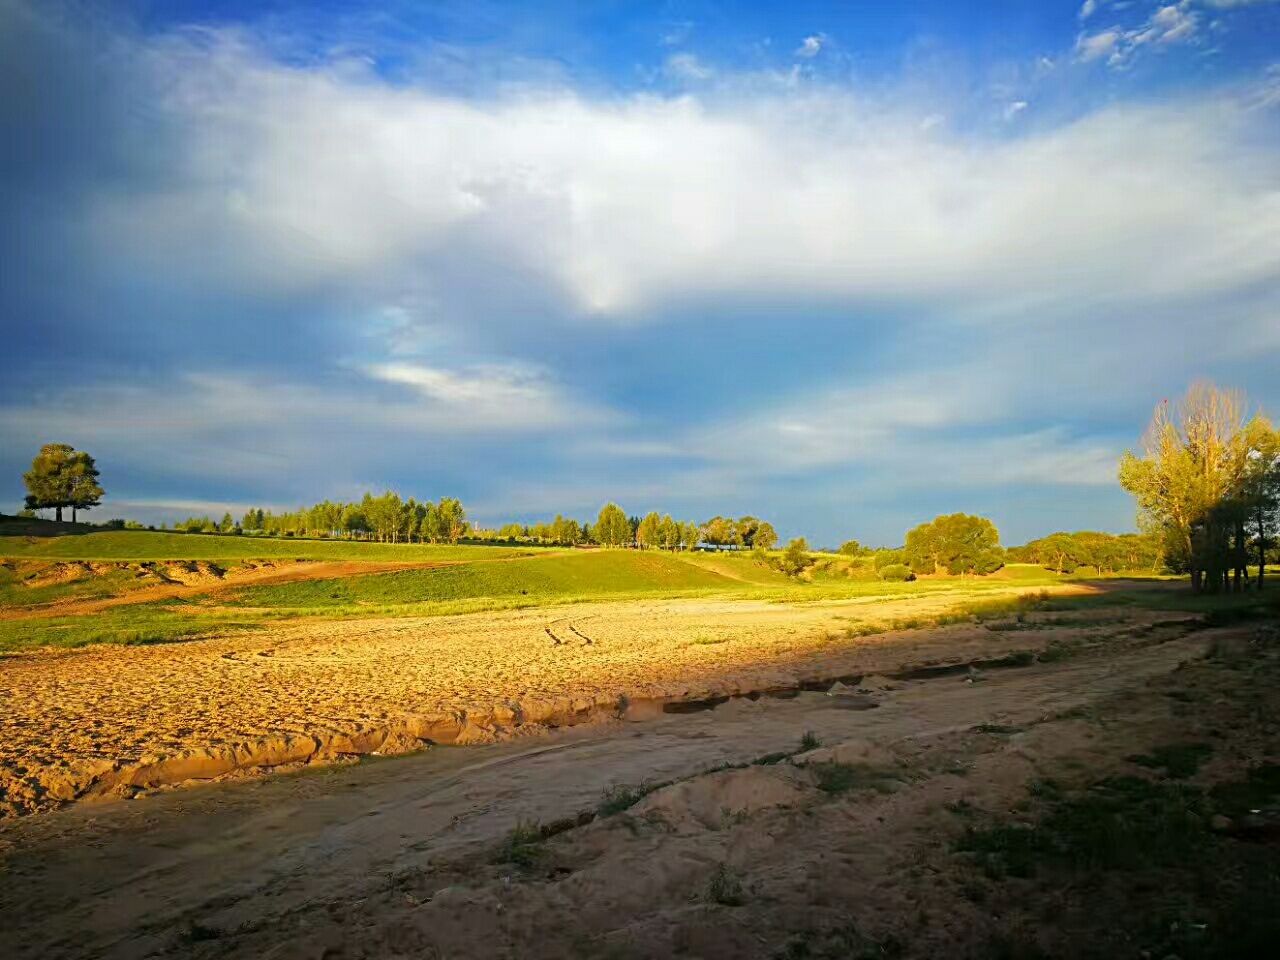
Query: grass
point(128, 625)
point(612, 572)
point(1178, 760)
point(158, 545)
point(837, 778)
point(523, 846)
point(1122, 823)
point(725, 888)
point(619, 797)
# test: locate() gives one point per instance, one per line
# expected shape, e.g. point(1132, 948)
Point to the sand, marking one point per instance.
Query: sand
point(113, 721)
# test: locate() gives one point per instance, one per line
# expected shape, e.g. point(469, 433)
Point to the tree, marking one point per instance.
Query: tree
point(720, 532)
point(61, 476)
point(86, 492)
point(228, 524)
point(957, 541)
point(690, 536)
point(612, 528)
point(851, 548)
point(766, 538)
point(795, 559)
point(647, 530)
point(1195, 482)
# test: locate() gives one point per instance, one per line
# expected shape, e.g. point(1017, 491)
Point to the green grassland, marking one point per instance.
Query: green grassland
point(476, 578)
point(157, 545)
point(584, 574)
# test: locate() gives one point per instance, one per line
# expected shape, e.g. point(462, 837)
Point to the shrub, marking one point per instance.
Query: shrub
point(898, 572)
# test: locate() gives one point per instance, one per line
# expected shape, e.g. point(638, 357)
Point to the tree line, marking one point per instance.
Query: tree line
point(1207, 484)
point(1105, 552)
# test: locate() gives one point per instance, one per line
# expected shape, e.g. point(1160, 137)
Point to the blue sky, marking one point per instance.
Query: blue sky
point(842, 265)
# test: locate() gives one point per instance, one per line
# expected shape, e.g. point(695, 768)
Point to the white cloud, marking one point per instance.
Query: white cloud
point(686, 66)
point(811, 46)
point(1013, 109)
point(306, 177)
point(1168, 24)
point(1088, 8)
point(1096, 45)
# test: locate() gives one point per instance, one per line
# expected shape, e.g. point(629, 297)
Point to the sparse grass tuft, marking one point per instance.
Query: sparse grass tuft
point(809, 741)
point(523, 846)
point(1178, 760)
point(620, 797)
point(725, 888)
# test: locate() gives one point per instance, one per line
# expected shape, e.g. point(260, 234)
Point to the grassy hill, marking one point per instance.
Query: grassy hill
point(554, 575)
point(156, 545)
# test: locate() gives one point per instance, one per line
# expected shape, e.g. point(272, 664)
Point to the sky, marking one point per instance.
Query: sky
point(844, 266)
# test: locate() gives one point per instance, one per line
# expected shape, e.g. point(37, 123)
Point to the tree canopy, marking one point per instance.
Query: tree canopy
point(1206, 475)
point(957, 542)
point(61, 476)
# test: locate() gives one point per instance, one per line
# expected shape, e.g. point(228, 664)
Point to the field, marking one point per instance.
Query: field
point(632, 724)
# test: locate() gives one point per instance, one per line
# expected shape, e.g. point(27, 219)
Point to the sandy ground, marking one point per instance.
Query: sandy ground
point(396, 858)
point(116, 720)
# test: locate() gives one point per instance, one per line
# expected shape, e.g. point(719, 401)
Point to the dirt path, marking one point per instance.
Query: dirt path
point(281, 861)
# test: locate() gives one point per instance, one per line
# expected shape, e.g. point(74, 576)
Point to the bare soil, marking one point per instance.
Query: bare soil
point(415, 856)
point(116, 721)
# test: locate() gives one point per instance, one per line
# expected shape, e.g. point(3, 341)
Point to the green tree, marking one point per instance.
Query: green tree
point(61, 476)
point(851, 548)
point(766, 538)
point(1193, 480)
point(647, 530)
point(796, 559)
point(228, 524)
point(958, 542)
point(690, 535)
point(612, 528)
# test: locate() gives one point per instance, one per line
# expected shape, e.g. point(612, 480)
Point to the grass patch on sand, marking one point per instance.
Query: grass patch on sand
point(137, 625)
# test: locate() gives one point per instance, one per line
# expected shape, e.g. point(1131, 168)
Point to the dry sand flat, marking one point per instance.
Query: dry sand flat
point(110, 721)
point(393, 859)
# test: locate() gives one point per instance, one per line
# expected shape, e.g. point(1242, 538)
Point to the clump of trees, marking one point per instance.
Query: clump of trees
point(743, 533)
point(1207, 483)
point(1105, 552)
point(62, 476)
point(387, 517)
point(958, 543)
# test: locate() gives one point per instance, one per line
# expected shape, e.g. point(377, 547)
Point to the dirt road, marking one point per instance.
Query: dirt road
point(382, 859)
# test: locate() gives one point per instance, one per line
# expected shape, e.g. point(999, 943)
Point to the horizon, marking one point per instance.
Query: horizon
point(842, 269)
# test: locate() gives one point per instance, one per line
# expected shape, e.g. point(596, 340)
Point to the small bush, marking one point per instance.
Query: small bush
point(809, 741)
point(897, 573)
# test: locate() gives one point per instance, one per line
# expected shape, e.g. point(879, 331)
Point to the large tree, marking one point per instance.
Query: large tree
point(612, 528)
point(958, 542)
point(1202, 474)
point(61, 476)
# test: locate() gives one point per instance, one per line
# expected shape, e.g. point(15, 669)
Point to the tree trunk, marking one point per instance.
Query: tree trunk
point(58, 513)
point(73, 513)
point(1262, 545)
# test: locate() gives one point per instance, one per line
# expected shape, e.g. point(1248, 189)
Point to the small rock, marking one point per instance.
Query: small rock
point(1219, 823)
